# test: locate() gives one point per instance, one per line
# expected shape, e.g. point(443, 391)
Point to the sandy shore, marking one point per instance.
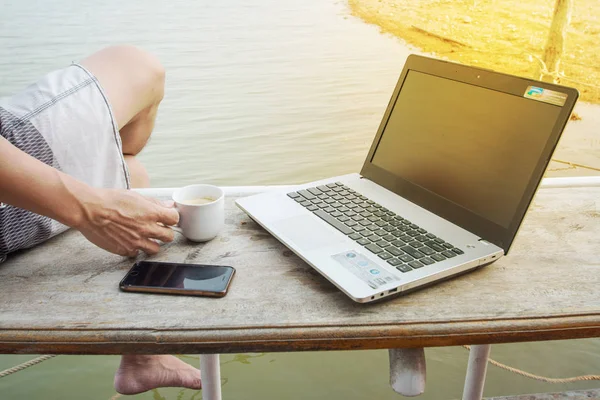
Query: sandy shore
point(579, 145)
point(508, 36)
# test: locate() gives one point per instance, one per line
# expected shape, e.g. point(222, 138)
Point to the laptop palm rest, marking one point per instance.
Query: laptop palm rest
point(305, 232)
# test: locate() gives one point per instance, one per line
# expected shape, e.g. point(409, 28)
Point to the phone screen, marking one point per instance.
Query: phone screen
point(179, 277)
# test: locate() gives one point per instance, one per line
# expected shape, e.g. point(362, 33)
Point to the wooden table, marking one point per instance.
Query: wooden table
point(63, 298)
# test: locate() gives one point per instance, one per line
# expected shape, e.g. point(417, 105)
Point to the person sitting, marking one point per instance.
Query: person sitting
point(68, 147)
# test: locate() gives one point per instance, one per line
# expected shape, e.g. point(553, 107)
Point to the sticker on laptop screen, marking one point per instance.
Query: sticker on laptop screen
point(545, 95)
point(365, 269)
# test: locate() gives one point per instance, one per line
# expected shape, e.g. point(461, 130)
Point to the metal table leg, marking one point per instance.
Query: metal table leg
point(210, 371)
point(407, 371)
point(478, 359)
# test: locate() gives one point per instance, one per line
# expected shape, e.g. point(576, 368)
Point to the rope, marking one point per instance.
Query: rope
point(27, 364)
point(517, 371)
point(541, 378)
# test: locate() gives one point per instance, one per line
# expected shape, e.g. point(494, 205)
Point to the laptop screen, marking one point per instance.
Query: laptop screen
point(474, 146)
point(468, 144)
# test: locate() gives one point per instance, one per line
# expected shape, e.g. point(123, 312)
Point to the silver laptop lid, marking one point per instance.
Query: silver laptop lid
point(468, 144)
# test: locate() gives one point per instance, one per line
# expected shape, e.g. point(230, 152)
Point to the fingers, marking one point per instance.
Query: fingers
point(148, 246)
point(125, 252)
point(120, 250)
point(168, 203)
point(162, 233)
point(167, 214)
point(130, 253)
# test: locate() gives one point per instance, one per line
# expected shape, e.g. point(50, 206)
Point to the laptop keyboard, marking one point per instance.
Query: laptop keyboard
point(394, 239)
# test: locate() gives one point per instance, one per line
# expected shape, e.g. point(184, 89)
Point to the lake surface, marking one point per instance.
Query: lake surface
point(262, 92)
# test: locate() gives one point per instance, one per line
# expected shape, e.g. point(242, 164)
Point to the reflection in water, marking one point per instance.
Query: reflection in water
point(243, 358)
point(197, 395)
point(156, 395)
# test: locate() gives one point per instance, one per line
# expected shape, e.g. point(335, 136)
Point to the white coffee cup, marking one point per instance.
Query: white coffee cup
point(203, 216)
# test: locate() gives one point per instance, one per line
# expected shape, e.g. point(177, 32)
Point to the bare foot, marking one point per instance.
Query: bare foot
point(140, 373)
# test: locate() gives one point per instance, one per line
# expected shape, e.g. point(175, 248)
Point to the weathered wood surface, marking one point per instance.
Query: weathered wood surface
point(63, 297)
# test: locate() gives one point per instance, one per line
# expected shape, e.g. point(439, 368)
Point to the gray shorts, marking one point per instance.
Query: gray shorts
point(65, 121)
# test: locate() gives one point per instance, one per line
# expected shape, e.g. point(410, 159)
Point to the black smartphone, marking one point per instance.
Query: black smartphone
point(176, 278)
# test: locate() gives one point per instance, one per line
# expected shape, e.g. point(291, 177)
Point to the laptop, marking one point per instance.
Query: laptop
point(451, 172)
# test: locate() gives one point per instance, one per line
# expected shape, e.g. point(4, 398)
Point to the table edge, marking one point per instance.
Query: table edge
point(294, 338)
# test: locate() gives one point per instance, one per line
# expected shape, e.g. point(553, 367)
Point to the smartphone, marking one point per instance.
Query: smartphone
point(176, 278)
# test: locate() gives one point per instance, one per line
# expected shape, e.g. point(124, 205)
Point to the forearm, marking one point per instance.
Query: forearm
point(28, 183)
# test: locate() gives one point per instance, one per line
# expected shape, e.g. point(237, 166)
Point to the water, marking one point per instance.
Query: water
point(260, 92)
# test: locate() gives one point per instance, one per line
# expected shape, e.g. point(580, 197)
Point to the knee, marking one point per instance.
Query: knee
point(155, 74)
point(145, 71)
point(149, 70)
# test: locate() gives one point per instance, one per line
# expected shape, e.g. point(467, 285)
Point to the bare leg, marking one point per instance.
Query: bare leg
point(134, 84)
point(137, 172)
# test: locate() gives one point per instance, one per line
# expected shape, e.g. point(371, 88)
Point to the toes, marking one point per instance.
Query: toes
point(194, 383)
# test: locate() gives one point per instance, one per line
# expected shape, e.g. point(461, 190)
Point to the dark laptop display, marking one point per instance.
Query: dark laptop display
point(467, 152)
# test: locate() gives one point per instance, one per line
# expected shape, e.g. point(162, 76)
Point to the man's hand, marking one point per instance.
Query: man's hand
point(124, 222)
point(116, 220)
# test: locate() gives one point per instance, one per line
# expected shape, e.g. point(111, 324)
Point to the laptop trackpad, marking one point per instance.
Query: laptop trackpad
point(305, 232)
